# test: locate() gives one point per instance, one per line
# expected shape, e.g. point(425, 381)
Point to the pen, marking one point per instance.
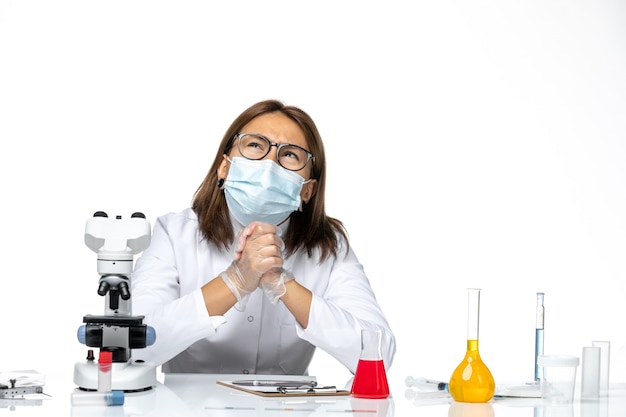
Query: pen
point(274, 383)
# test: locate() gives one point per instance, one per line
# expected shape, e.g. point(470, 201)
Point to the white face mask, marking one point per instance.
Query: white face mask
point(261, 190)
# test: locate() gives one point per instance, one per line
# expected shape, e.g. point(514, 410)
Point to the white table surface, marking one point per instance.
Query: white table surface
point(193, 395)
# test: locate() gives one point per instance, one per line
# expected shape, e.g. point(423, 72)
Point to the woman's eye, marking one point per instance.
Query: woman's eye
point(255, 145)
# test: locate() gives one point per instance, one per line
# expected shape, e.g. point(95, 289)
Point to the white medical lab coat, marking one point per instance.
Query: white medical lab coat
point(262, 339)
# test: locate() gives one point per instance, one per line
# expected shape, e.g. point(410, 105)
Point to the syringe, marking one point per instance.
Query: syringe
point(426, 384)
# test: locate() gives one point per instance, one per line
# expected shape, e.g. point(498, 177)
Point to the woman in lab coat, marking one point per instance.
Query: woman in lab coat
point(254, 276)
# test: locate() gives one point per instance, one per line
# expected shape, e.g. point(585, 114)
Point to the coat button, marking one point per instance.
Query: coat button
point(250, 319)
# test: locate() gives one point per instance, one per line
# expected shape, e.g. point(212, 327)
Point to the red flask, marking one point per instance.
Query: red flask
point(370, 378)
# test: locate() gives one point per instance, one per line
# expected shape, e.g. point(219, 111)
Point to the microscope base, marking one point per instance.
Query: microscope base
point(129, 377)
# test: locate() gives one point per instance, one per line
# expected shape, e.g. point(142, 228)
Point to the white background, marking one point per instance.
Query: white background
point(469, 144)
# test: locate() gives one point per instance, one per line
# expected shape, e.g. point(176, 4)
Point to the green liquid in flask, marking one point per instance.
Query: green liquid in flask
point(471, 381)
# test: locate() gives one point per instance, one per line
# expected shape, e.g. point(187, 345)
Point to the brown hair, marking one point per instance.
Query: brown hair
point(309, 228)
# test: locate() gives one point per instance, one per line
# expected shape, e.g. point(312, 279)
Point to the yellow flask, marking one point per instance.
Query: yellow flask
point(471, 381)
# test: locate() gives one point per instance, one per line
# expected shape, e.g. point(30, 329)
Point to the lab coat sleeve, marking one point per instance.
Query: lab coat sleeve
point(178, 321)
point(338, 314)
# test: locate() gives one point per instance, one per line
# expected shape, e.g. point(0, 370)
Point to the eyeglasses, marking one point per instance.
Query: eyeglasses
point(254, 146)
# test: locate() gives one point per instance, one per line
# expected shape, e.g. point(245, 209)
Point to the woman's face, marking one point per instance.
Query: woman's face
point(278, 128)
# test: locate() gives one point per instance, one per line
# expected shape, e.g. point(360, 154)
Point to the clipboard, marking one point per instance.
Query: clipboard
point(283, 388)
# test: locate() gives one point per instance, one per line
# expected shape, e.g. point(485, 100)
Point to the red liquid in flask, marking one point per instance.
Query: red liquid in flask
point(370, 380)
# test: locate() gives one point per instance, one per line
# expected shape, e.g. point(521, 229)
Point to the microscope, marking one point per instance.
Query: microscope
point(116, 241)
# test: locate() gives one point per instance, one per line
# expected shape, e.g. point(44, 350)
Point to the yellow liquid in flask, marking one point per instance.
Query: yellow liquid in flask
point(471, 381)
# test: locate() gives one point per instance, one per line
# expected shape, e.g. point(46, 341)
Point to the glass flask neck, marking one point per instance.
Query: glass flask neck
point(472, 345)
point(473, 314)
point(371, 341)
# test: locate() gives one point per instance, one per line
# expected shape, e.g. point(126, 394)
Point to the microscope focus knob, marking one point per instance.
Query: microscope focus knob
point(81, 334)
point(150, 335)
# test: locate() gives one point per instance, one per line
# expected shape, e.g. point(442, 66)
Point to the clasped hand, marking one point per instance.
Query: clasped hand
point(258, 262)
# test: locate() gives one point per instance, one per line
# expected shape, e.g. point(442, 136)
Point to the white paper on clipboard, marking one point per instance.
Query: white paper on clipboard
point(305, 386)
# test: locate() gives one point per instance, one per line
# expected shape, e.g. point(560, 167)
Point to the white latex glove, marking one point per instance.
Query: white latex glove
point(273, 283)
point(258, 250)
